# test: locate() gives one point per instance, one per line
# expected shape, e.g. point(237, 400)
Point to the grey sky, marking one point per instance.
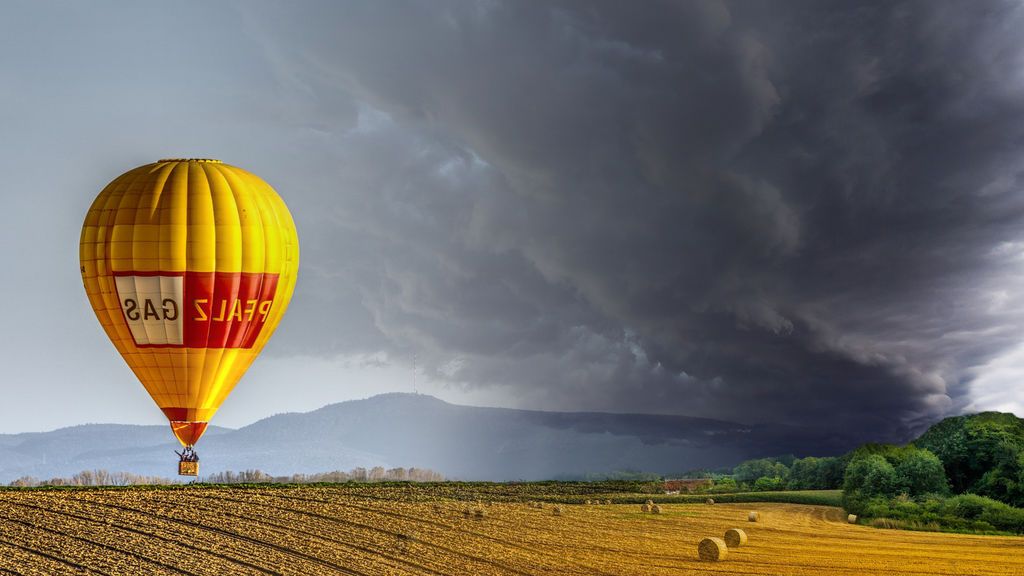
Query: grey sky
point(800, 212)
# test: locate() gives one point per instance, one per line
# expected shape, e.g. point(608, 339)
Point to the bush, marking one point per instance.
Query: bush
point(967, 512)
point(724, 485)
point(765, 484)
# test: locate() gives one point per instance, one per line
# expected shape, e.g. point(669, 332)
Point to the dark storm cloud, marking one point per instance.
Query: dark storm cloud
point(802, 212)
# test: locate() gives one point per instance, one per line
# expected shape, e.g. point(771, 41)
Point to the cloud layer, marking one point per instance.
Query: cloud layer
point(809, 215)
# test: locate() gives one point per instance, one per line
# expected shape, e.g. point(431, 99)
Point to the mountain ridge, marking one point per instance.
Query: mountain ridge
point(418, 430)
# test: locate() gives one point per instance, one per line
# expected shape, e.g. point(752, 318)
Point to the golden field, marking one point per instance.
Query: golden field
point(339, 530)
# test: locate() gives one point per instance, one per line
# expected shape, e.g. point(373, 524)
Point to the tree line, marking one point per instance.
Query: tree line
point(375, 474)
point(105, 478)
point(965, 473)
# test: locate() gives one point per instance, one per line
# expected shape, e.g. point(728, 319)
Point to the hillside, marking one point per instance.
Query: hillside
point(411, 430)
point(981, 454)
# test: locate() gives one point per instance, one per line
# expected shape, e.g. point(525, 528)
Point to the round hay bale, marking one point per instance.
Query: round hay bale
point(479, 513)
point(754, 516)
point(709, 501)
point(735, 537)
point(587, 502)
point(645, 508)
point(649, 502)
point(608, 502)
point(712, 549)
point(655, 509)
point(556, 511)
point(852, 518)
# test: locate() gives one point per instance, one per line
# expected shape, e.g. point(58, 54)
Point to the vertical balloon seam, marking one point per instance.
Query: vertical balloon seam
point(226, 356)
point(237, 184)
point(107, 219)
point(244, 357)
point(101, 255)
point(163, 198)
point(87, 256)
point(209, 365)
point(242, 199)
point(152, 192)
point(164, 204)
point(201, 353)
point(178, 255)
point(186, 353)
point(192, 387)
point(144, 216)
point(209, 373)
point(268, 226)
point(140, 355)
point(230, 249)
point(116, 198)
point(132, 191)
point(143, 186)
point(178, 182)
point(271, 226)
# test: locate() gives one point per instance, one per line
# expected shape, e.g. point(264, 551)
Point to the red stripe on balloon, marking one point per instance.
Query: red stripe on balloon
point(227, 309)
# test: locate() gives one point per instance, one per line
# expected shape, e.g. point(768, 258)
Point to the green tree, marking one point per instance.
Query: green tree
point(830, 473)
point(803, 474)
point(971, 446)
point(870, 476)
point(920, 472)
point(1005, 481)
point(725, 484)
point(751, 470)
point(816, 473)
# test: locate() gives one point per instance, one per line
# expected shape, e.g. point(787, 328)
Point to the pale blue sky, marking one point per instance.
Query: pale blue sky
point(92, 90)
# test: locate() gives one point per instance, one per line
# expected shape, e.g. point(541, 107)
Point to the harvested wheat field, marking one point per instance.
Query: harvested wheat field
point(407, 530)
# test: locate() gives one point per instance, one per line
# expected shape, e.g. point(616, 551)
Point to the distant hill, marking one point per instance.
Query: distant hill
point(412, 430)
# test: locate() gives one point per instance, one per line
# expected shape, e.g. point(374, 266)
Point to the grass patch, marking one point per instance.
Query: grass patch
point(812, 497)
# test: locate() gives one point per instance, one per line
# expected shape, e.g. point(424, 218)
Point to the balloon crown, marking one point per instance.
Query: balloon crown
point(207, 160)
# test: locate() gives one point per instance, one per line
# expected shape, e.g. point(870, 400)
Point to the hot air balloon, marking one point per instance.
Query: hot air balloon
point(189, 265)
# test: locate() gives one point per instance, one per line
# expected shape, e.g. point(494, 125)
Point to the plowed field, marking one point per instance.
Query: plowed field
point(317, 530)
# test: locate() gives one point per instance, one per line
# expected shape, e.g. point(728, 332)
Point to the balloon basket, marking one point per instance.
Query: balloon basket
point(188, 468)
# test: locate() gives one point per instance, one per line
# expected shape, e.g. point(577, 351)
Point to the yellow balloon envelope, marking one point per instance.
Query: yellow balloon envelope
point(189, 266)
